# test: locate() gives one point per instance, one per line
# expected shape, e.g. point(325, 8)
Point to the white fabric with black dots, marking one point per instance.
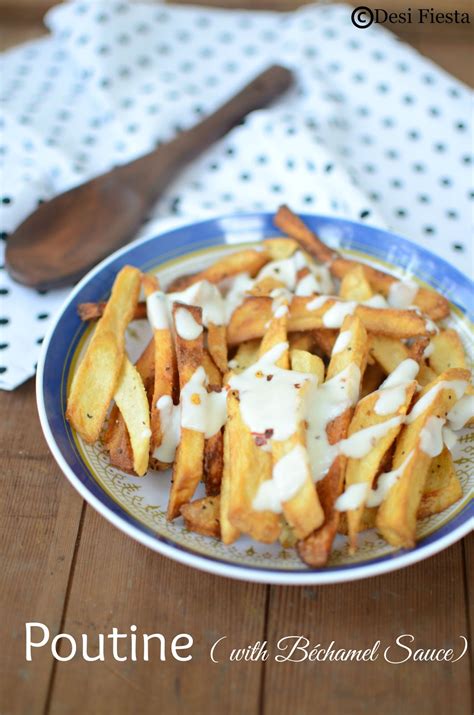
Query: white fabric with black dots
point(373, 132)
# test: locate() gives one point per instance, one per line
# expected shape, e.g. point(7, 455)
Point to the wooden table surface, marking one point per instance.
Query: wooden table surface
point(65, 566)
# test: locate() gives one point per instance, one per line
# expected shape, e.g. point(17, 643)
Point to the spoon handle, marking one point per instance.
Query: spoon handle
point(151, 173)
point(68, 235)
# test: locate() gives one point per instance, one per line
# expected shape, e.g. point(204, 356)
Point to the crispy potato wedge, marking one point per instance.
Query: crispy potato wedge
point(396, 517)
point(316, 548)
point(442, 486)
point(355, 286)
point(301, 341)
point(303, 512)
point(430, 302)
point(249, 466)
point(373, 377)
point(324, 340)
point(229, 532)
point(365, 469)
point(213, 446)
point(275, 334)
point(448, 351)
point(116, 438)
point(442, 489)
point(425, 375)
point(97, 376)
point(203, 516)
point(388, 352)
point(217, 345)
point(280, 248)
point(248, 261)
point(304, 361)
point(249, 320)
point(130, 397)
point(165, 373)
point(93, 311)
point(188, 463)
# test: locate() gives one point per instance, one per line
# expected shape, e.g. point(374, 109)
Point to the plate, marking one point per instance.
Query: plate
point(136, 505)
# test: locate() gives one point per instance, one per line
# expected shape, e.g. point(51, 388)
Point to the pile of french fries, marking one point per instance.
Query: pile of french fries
point(324, 462)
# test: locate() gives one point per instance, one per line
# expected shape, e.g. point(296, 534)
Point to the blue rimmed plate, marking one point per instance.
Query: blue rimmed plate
point(137, 506)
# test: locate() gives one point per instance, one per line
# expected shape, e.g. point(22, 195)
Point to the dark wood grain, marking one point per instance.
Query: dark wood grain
point(101, 579)
point(40, 516)
point(426, 600)
point(140, 587)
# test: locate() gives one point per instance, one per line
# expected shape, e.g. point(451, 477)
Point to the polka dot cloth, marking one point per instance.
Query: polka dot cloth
point(373, 131)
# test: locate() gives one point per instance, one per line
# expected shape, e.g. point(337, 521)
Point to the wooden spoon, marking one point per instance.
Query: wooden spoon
point(68, 235)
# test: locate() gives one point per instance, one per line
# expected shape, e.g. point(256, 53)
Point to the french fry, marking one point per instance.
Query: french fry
point(301, 341)
point(249, 466)
point(229, 532)
point(249, 320)
point(355, 286)
point(396, 517)
point(373, 376)
point(304, 361)
point(188, 464)
point(116, 438)
point(94, 311)
point(248, 261)
point(316, 548)
point(365, 469)
point(303, 511)
point(431, 303)
point(203, 516)
point(165, 377)
point(213, 446)
point(275, 334)
point(447, 351)
point(96, 378)
point(217, 345)
point(324, 339)
point(246, 355)
point(442, 487)
point(388, 352)
point(130, 397)
point(280, 248)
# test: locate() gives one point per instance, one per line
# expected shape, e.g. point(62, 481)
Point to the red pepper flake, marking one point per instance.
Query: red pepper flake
point(269, 378)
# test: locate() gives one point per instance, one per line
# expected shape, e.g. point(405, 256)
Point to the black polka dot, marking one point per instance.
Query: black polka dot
point(262, 159)
point(308, 199)
point(42, 316)
point(452, 214)
point(4, 321)
point(276, 188)
point(467, 159)
point(460, 126)
point(396, 183)
point(458, 247)
point(245, 176)
point(434, 111)
point(6, 200)
point(414, 134)
point(364, 214)
point(445, 181)
point(328, 168)
point(3, 369)
point(424, 199)
point(39, 341)
point(430, 230)
point(401, 213)
point(418, 167)
point(3, 235)
point(4, 291)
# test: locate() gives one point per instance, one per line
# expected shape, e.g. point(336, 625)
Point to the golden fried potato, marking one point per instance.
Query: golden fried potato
point(96, 378)
point(396, 517)
point(203, 516)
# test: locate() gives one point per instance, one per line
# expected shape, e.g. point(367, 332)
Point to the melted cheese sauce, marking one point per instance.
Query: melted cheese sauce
point(157, 310)
point(360, 443)
point(186, 327)
point(392, 392)
point(270, 397)
point(288, 476)
point(431, 436)
point(401, 294)
point(462, 412)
